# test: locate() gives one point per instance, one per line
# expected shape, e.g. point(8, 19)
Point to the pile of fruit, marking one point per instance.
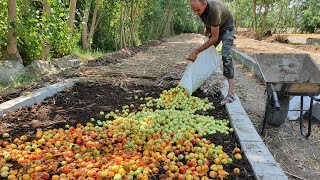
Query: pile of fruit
point(161, 139)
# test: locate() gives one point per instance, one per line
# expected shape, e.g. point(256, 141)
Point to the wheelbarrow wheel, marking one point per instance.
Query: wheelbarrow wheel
point(275, 117)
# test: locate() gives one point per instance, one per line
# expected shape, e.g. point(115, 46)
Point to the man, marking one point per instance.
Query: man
point(219, 23)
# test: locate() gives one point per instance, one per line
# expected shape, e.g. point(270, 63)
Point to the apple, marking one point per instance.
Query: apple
point(103, 174)
point(182, 170)
point(213, 174)
point(236, 150)
point(236, 170)
point(238, 156)
point(5, 135)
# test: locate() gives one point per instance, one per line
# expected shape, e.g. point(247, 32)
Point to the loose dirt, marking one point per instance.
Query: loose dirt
point(74, 72)
point(250, 46)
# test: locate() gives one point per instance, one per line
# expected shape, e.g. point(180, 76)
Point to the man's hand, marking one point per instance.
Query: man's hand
point(193, 56)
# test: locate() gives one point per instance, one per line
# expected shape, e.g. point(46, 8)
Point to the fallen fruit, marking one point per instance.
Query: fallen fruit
point(5, 135)
point(237, 150)
point(238, 156)
point(236, 170)
point(165, 133)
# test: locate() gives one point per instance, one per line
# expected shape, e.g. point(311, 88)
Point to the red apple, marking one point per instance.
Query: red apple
point(45, 176)
point(182, 170)
point(236, 150)
point(189, 163)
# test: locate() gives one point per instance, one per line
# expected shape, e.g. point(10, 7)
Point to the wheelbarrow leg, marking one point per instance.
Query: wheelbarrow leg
point(309, 118)
point(264, 122)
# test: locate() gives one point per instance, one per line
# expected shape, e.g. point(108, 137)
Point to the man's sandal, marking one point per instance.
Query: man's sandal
point(228, 99)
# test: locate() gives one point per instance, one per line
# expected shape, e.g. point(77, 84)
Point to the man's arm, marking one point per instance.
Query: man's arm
point(210, 42)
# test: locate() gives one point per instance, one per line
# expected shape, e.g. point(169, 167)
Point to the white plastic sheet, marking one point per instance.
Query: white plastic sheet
point(295, 105)
point(200, 70)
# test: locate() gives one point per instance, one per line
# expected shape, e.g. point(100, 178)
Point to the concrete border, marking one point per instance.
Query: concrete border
point(248, 62)
point(262, 162)
point(36, 96)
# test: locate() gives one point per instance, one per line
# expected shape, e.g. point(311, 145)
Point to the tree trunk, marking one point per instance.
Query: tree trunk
point(264, 21)
point(85, 28)
point(115, 39)
point(73, 5)
point(295, 16)
point(122, 19)
point(167, 29)
point(46, 46)
point(12, 49)
point(132, 23)
point(236, 18)
point(121, 16)
point(94, 19)
point(254, 8)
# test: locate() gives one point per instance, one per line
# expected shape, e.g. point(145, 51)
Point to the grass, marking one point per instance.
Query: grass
point(20, 81)
point(87, 55)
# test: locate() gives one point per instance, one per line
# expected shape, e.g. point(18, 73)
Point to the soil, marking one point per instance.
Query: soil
point(247, 33)
point(76, 105)
point(280, 44)
point(124, 54)
point(113, 58)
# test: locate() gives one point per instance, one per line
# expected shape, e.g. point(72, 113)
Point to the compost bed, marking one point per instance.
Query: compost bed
point(86, 100)
point(105, 60)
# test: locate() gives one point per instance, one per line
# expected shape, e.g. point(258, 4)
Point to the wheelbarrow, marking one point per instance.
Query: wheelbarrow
point(288, 75)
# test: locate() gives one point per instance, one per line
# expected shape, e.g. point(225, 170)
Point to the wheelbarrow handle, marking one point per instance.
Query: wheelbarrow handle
point(275, 99)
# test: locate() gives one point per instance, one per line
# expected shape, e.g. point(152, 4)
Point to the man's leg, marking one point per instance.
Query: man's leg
point(228, 69)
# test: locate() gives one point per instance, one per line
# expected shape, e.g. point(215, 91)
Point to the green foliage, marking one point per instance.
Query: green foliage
point(310, 16)
point(185, 21)
point(86, 55)
point(29, 32)
point(150, 21)
point(57, 32)
point(3, 25)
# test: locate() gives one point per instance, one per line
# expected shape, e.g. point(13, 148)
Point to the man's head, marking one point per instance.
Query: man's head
point(198, 6)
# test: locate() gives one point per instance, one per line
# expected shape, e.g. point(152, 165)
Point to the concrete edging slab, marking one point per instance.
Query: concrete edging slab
point(36, 96)
point(262, 162)
point(248, 62)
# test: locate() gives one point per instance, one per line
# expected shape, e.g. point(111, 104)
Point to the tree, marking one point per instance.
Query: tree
point(12, 49)
point(264, 20)
point(310, 16)
point(123, 44)
point(84, 34)
point(254, 11)
point(93, 22)
point(46, 45)
point(72, 7)
point(132, 24)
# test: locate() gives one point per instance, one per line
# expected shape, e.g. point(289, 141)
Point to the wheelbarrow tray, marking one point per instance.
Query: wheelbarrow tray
point(290, 74)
